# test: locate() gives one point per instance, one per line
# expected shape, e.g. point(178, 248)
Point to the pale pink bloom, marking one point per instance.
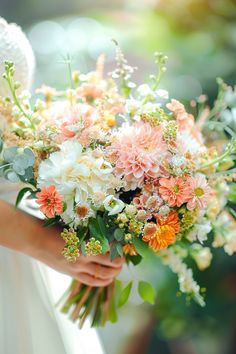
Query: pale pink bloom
point(184, 119)
point(69, 119)
point(174, 190)
point(50, 201)
point(90, 90)
point(199, 192)
point(138, 153)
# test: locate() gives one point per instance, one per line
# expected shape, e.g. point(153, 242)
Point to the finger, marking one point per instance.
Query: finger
point(104, 259)
point(91, 281)
point(100, 271)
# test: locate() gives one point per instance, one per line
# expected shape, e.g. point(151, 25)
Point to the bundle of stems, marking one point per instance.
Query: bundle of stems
point(83, 301)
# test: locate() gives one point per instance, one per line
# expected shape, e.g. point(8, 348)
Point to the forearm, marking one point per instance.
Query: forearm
point(20, 231)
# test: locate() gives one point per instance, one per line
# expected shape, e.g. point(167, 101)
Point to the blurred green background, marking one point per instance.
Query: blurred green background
point(199, 37)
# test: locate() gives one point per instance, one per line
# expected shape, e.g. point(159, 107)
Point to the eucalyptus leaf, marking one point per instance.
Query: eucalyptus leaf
point(116, 250)
point(9, 154)
point(21, 160)
point(119, 234)
point(30, 155)
point(13, 177)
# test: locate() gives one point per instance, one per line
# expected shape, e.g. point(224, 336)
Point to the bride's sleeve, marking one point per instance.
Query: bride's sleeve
point(15, 47)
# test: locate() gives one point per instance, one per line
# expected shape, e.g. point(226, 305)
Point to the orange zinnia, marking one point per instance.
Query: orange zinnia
point(50, 201)
point(163, 233)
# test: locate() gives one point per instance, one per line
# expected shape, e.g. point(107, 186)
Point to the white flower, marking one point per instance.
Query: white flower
point(202, 256)
point(113, 205)
point(162, 94)
point(145, 90)
point(230, 245)
point(200, 229)
point(77, 175)
point(185, 275)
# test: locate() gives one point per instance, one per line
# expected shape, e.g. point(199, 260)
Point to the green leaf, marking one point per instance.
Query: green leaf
point(97, 230)
point(114, 252)
point(135, 260)
point(119, 234)
point(124, 296)
point(21, 194)
point(146, 292)
point(141, 247)
point(51, 222)
point(1, 145)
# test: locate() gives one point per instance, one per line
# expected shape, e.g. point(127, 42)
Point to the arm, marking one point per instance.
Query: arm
point(26, 234)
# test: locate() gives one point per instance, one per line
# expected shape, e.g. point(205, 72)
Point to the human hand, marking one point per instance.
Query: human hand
point(91, 270)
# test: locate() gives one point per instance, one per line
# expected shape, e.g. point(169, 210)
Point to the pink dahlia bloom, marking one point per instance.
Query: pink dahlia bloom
point(174, 190)
point(69, 119)
point(50, 201)
point(199, 192)
point(138, 153)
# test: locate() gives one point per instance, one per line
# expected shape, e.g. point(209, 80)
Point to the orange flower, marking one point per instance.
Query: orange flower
point(163, 233)
point(50, 201)
point(130, 249)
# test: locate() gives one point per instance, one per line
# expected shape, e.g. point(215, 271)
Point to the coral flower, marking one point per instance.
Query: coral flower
point(174, 190)
point(199, 192)
point(50, 201)
point(130, 249)
point(163, 233)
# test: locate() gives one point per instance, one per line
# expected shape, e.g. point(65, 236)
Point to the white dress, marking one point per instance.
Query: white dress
point(29, 320)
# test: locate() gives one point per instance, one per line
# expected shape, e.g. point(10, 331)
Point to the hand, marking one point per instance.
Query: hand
point(26, 234)
point(91, 270)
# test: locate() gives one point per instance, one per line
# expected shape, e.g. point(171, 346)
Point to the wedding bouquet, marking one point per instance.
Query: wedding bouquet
point(123, 170)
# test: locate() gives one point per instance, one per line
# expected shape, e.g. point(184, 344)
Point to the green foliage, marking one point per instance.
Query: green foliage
point(98, 230)
point(146, 292)
point(52, 221)
point(141, 247)
point(17, 164)
point(22, 193)
point(116, 250)
point(119, 234)
point(125, 293)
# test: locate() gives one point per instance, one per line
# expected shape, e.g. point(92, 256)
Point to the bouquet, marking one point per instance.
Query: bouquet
point(126, 170)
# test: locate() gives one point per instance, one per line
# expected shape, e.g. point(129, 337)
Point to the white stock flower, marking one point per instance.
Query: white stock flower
point(185, 275)
point(113, 205)
point(202, 256)
point(230, 245)
point(200, 230)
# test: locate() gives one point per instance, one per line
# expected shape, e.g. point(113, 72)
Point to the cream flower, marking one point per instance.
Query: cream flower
point(113, 205)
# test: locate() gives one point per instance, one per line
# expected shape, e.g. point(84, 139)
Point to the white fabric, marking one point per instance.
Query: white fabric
point(29, 321)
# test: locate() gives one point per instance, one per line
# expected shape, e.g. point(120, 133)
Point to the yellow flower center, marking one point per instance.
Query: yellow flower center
point(199, 192)
point(175, 189)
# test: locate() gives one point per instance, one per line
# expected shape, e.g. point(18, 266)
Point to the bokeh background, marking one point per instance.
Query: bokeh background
point(199, 37)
